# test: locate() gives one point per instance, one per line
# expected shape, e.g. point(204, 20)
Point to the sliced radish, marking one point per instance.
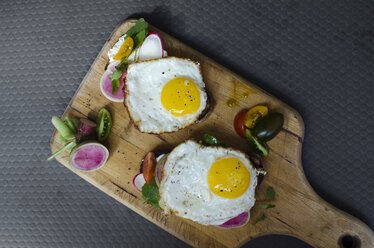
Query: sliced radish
point(151, 48)
point(138, 182)
point(86, 126)
point(106, 84)
point(237, 221)
point(89, 156)
point(160, 165)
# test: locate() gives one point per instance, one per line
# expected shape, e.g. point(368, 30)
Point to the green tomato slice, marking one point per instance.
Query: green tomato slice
point(103, 124)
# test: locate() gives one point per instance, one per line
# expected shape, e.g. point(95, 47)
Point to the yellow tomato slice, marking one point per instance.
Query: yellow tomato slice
point(125, 49)
point(254, 114)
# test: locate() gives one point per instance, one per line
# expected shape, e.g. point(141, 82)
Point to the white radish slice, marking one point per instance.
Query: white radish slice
point(138, 182)
point(106, 84)
point(151, 48)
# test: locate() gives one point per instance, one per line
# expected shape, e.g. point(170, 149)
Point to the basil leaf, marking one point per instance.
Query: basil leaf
point(115, 86)
point(140, 25)
point(266, 205)
point(270, 194)
point(116, 75)
point(260, 219)
point(150, 193)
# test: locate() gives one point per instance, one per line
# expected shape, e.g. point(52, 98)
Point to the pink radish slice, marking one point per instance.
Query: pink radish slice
point(106, 84)
point(138, 182)
point(237, 221)
point(151, 48)
point(86, 127)
point(111, 66)
point(89, 156)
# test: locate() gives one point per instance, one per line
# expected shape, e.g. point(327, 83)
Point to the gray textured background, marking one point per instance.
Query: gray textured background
point(317, 56)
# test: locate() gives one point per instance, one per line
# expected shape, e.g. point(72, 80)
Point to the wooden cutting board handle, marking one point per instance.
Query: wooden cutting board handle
point(300, 212)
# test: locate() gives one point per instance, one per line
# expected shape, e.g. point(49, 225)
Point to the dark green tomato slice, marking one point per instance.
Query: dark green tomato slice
point(103, 124)
point(210, 140)
point(257, 146)
point(268, 126)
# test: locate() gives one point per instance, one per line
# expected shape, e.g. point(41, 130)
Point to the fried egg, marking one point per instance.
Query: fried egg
point(164, 95)
point(115, 49)
point(209, 185)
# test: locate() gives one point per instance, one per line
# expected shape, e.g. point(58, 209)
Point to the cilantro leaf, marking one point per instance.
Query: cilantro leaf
point(270, 194)
point(116, 75)
point(260, 219)
point(115, 86)
point(150, 193)
point(266, 205)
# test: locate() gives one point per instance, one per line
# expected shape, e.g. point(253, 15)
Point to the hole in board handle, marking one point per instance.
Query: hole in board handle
point(349, 241)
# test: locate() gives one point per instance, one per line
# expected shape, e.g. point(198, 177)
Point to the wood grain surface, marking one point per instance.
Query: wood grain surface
point(299, 211)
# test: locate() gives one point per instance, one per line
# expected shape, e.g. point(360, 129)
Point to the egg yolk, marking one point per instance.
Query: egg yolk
point(228, 177)
point(180, 96)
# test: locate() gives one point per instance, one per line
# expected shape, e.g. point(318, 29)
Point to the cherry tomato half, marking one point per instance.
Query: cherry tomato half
point(125, 49)
point(254, 114)
point(239, 123)
point(149, 166)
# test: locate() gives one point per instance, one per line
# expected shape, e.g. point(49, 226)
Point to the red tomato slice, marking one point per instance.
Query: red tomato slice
point(239, 123)
point(149, 166)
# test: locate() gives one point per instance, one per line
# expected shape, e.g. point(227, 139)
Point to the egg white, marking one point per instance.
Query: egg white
point(184, 188)
point(143, 86)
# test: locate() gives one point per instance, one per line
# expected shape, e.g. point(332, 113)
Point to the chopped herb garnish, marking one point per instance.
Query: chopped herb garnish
point(260, 219)
point(116, 75)
point(270, 194)
point(210, 140)
point(115, 86)
point(266, 205)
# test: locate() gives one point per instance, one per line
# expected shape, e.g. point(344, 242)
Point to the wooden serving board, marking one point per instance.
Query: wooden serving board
point(299, 211)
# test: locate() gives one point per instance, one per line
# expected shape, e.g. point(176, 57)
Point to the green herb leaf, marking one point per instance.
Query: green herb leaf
point(150, 193)
point(115, 86)
point(266, 205)
point(116, 75)
point(122, 65)
point(210, 140)
point(139, 38)
point(260, 219)
point(270, 194)
point(140, 25)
